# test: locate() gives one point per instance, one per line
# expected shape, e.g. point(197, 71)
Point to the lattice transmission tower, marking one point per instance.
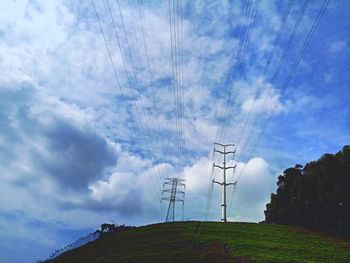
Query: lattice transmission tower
point(173, 198)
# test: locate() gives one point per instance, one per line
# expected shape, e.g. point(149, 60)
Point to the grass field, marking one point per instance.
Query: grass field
point(211, 242)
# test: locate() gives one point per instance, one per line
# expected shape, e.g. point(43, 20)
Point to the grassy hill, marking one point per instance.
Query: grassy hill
point(211, 242)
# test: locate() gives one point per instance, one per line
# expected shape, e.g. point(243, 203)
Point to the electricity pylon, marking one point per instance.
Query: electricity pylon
point(224, 168)
point(174, 191)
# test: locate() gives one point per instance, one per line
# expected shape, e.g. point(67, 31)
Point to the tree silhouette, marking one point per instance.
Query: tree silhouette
point(316, 195)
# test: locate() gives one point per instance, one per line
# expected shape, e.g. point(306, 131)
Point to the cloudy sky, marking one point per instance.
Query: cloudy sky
point(92, 123)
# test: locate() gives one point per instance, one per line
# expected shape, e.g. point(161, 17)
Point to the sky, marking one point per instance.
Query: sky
point(91, 124)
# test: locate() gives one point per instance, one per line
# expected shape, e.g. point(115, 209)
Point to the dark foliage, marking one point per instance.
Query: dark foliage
point(315, 196)
point(106, 229)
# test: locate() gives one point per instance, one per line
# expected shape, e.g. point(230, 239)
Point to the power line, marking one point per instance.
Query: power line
point(243, 32)
point(240, 68)
point(177, 71)
point(266, 67)
point(140, 116)
point(175, 62)
point(268, 93)
point(296, 26)
point(174, 81)
point(151, 78)
point(269, 90)
point(151, 82)
point(232, 75)
point(181, 71)
point(122, 92)
point(241, 65)
point(235, 72)
point(156, 145)
point(290, 75)
point(177, 12)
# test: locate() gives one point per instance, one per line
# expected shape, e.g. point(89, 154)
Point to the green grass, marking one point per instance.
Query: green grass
point(212, 242)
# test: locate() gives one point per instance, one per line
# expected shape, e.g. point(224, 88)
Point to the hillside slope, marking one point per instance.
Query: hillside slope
point(211, 242)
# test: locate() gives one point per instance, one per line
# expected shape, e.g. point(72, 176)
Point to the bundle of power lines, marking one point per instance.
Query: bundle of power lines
point(250, 11)
point(137, 114)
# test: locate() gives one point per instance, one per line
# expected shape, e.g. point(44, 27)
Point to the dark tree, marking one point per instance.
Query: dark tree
point(316, 195)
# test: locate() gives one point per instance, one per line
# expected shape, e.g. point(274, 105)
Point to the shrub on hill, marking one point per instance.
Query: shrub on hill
point(316, 195)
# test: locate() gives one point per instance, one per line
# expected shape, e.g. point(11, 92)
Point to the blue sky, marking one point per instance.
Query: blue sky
point(70, 155)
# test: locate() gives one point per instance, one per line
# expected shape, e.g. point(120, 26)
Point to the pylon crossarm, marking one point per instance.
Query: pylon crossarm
point(231, 183)
point(165, 199)
point(219, 151)
point(216, 182)
point(218, 166)
point(230, 167)
point(175, 179)
point(224, 145)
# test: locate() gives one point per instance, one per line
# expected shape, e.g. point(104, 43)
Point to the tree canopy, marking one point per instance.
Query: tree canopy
point(316, 195)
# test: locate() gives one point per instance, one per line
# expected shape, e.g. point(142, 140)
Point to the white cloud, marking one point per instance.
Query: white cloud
point(55, 52)
point(114, 189)
point(253, 190)
point(265, 103)
point(251, 193)
point(337, 46)
point(198, 175)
